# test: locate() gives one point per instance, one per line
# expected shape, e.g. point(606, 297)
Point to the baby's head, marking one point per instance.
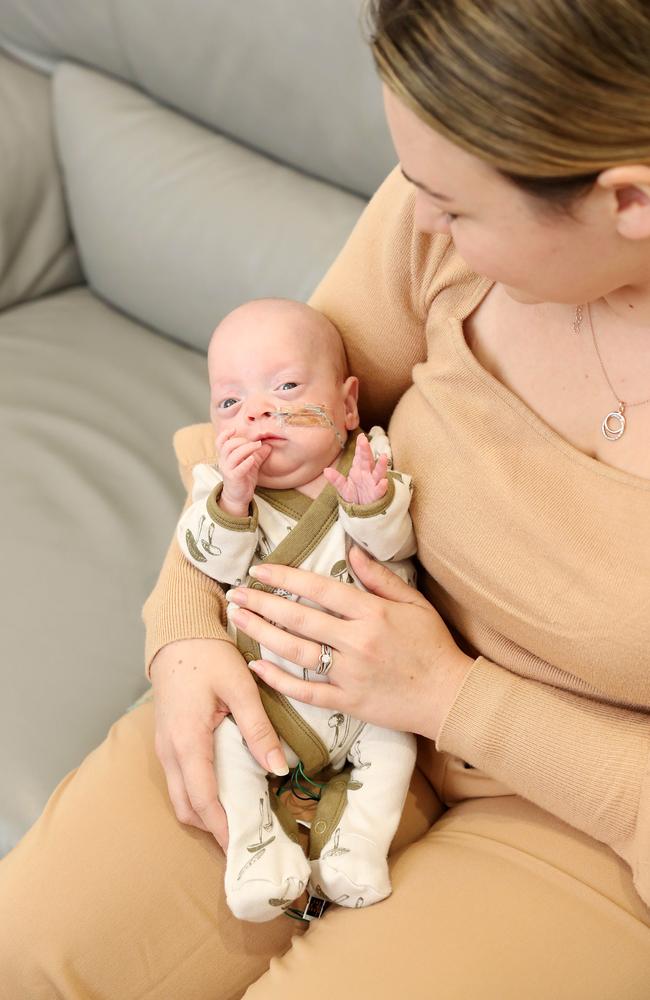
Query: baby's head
point(273, 355)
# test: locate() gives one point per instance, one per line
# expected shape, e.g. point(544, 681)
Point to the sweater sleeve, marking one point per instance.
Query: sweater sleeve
point(217, 543)
point(185, 603)
point(585, 761)
point(375, 293)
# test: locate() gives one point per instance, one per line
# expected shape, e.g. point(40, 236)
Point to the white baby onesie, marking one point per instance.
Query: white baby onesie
point(265, 869)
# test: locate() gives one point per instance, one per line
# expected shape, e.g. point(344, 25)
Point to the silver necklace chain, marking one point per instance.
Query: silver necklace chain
point(613, 425)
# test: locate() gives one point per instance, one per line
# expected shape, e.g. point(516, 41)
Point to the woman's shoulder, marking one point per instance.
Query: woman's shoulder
point(435, 264)
point(194, 445)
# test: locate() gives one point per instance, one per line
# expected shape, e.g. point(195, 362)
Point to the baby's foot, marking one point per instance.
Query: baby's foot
point(263, 879)
point(351, 871)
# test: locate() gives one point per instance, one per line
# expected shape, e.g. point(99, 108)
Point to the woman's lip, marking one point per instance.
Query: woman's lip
point(270, 437)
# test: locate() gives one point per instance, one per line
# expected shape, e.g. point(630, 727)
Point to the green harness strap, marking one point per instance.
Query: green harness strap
point(299, 543)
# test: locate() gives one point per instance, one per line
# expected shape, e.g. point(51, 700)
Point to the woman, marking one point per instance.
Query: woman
point(508, 260)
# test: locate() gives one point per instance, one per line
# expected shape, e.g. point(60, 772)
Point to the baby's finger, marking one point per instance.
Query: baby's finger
point(379, 471)
point(242, 470)
point(334, 477)
point(232, 442)
point(240, 452)
point(262, 453)
point(364, 458)
point(223, 437)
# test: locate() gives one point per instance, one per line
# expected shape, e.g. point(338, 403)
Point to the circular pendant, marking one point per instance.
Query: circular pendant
point(613, 426)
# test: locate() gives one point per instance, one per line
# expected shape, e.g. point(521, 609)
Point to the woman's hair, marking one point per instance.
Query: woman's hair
point(549, 92)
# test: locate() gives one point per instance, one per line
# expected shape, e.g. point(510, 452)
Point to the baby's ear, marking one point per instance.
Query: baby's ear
point(351, 399)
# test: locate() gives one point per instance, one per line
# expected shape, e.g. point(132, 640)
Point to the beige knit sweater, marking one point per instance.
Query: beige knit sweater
point(536, 554)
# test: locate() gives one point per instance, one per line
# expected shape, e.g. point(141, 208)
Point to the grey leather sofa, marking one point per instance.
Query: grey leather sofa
point(160, 162)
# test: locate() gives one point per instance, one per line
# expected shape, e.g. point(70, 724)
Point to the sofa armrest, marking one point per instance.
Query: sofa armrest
point(37, 254)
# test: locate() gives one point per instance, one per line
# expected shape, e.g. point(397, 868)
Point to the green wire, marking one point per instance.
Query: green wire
point(294, 782)
point(317, 784)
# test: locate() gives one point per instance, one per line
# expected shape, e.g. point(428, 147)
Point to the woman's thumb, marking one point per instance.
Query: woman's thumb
point(378, 579)
point(260, 737)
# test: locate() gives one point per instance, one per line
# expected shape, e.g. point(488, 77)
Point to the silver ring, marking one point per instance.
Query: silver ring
point(325, 659)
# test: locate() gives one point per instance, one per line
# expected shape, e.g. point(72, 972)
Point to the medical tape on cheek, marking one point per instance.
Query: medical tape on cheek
point(310, 415)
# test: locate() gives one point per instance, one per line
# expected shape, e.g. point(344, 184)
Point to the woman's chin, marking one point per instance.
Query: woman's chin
point(520, 295)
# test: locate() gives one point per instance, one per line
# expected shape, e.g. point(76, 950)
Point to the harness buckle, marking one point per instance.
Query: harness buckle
point(315, 908)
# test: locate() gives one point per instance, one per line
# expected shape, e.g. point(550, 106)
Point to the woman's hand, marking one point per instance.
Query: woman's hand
point(394, 660)
point(196, 684)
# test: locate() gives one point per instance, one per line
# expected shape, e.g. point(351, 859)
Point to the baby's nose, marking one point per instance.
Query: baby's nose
point(258, 410)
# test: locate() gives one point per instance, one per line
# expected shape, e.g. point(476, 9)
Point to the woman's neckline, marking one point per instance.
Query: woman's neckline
point(514, 402)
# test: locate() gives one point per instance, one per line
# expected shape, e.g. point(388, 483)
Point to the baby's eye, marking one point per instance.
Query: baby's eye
point(225, 404)
point(286, 386)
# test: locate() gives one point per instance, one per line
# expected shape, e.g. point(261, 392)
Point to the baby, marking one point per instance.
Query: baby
point(297, 483)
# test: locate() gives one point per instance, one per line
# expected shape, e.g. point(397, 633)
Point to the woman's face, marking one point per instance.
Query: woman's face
point(503, 233)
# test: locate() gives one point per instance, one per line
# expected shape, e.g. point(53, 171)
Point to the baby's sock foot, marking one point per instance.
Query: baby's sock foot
point(262, 879)
point(351, 871)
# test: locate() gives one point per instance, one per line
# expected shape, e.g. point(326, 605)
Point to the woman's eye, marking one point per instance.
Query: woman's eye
point(225, 404)
point(450, 217)
point(288, 385)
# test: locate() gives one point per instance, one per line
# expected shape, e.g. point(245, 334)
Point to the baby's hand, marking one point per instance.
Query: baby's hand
point(366, 481)
point(239, 465)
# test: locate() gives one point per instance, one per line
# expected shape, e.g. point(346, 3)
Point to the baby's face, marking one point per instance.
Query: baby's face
point(269, 357)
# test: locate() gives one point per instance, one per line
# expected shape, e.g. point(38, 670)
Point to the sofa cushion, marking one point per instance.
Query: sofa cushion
point(292, 78)
point(90, 496)
point(177, 225)
point(36, 251)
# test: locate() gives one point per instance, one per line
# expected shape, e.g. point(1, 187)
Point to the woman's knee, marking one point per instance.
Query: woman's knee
point(109, 895)
point(494, 902)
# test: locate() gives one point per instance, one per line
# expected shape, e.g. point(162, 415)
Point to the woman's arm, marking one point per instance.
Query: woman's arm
point(585, 761)
point(396, 664)
point(185, 604)
point(198, 674)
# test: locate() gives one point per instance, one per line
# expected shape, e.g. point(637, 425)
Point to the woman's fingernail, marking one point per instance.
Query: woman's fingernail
point(237, 596)
point(259, 572)
point(276, 763)
point(240, 617)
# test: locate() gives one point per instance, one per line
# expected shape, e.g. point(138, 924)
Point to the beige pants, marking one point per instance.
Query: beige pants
point(108, 897)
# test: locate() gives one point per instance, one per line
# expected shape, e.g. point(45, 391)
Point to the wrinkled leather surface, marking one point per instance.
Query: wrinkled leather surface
point(37, 254)
point(177, 225)
point(89, 496)
point(291, 78)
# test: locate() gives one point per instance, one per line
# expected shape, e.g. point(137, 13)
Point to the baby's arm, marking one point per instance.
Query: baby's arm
point(219, 544)
point(373, 502)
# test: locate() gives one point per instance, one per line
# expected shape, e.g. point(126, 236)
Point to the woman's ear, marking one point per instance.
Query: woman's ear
point(631, 187)
point(351, 400)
